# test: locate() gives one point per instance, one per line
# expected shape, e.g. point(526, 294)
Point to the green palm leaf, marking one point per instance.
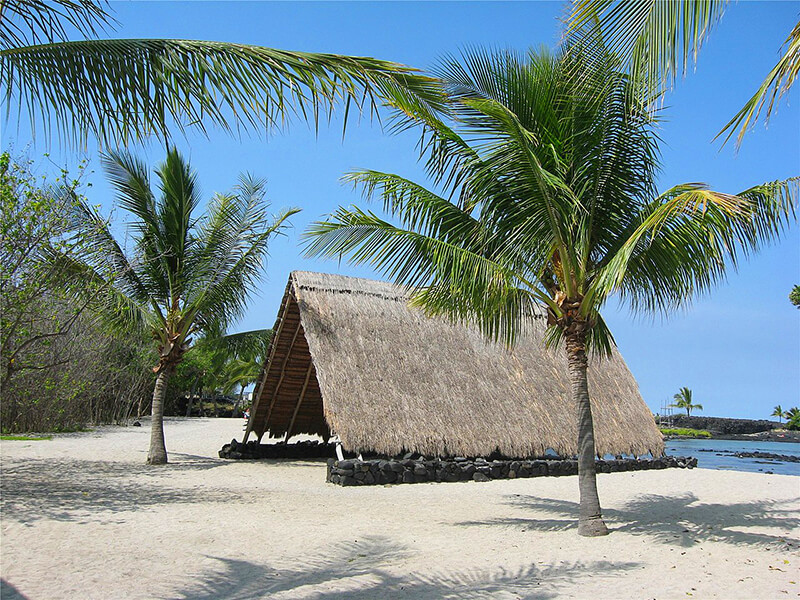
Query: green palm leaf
point(657, 41)
point(119, 90)
point(777, 83)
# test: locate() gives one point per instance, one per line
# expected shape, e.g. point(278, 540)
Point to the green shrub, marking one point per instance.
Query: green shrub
point(686, 432)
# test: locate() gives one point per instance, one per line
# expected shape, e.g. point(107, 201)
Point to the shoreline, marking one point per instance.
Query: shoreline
point(792, 437)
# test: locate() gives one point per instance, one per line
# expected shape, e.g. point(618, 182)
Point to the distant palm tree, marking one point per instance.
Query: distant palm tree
point(793, 418)
point(683, 399)
point(124, 89)
point(778, 412)
point(187, 274)
point(549, 198)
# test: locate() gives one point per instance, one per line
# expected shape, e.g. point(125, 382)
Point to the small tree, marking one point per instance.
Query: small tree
point(778, 412)
point(683, 399)
point(186, 274)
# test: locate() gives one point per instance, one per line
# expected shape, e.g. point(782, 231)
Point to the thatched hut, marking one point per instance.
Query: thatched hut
point(351, 357)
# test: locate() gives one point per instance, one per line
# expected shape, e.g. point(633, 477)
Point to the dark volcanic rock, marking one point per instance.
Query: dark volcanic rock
point(722, 426)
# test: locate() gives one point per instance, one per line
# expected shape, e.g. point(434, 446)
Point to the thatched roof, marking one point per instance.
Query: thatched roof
point(350, 356)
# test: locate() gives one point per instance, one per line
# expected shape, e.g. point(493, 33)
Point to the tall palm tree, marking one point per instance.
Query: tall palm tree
point(187, 273)
point(778, 412)
point(548, 196)
point(658, 39)
point(683, 400)
point(118, 90)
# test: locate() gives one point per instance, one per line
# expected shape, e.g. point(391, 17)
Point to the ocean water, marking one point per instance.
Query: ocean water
point(720, 455)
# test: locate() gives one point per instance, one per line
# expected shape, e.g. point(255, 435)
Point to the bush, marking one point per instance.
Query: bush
point(686, 432)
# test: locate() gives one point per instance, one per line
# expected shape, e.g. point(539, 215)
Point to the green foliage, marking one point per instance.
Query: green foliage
point(186, 275)
point(778, 412)
point(58, 371)
point(794, 296)
point(25, 438)
point(657, 40)
point(548, 196)
point(793, 419)
point(686, 432)
point(122, 90)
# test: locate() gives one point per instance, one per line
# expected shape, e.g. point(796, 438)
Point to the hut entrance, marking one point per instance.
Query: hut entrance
point(288, 400)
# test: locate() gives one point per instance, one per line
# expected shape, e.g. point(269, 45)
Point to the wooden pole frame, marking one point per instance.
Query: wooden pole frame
point(300, 399)
point(283, 372)
point(267, 365)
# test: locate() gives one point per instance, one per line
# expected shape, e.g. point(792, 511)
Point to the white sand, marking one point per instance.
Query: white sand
point(83, 517)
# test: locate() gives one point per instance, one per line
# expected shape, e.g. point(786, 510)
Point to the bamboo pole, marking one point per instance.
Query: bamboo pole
point(283, 372)
point(260, 386)
point(300, 399)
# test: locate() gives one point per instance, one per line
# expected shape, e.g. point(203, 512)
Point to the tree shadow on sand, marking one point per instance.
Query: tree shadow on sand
point(9, 592)
point(80, 490)
point(362, 570)
point(677, 520)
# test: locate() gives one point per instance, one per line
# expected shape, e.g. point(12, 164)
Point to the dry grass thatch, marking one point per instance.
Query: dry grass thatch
point(351, 357)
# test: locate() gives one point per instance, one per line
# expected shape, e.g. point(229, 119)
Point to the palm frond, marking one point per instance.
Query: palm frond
point(684, 242)
point(113, 307)
point(657, 40)
point(32, 22)
point(449, 275)
point(120, 90)
point(220, 290)
point(776, 84)
point(248, 344)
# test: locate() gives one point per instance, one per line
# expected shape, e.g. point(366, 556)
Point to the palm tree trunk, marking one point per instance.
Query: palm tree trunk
point(590, 521)
point(238, 402)
point(191, 397)
point(158, 449)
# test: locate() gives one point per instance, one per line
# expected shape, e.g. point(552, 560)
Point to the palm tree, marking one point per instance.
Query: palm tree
point(186, 274)
point(778, 412)
point(659, 38)
point(683, 399)
point(792, 418)
point(243, 355)
point(119, 90)
point(549, 197)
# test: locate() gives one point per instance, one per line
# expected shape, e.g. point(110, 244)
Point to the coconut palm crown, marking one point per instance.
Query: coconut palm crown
point(546, 176)
point(186, 274)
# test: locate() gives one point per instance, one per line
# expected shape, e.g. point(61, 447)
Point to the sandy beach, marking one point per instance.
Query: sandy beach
point(84, 517)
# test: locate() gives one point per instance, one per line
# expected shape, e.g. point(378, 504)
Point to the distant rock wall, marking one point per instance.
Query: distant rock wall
point(721, 426)
point(382, 471)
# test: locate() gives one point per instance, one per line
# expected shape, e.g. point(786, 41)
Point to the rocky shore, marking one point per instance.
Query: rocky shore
point(761, 455)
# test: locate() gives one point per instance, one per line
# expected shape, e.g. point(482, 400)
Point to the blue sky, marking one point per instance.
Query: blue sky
point(738, 348)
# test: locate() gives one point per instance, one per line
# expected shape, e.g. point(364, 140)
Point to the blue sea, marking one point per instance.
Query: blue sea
point(720, 455)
